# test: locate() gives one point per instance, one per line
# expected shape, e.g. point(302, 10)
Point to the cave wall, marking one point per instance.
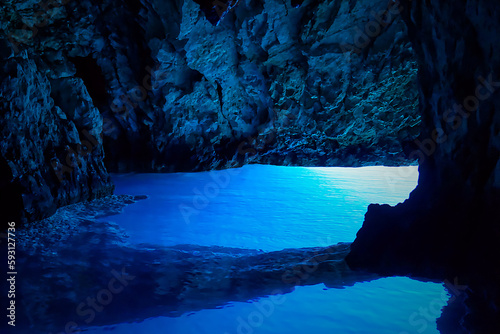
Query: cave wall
point(163, 86)
point(458, 190)
point(291, 85)
point(51, 153)
point(450, 226)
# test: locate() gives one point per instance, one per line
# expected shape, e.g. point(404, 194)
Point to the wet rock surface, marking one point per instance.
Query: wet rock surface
point(174, 86)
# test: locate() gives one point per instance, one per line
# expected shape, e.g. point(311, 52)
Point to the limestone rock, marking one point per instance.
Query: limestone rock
point(181, 86)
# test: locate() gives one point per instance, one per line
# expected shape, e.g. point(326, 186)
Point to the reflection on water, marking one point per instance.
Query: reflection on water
point(389, 305)
point(130, 273)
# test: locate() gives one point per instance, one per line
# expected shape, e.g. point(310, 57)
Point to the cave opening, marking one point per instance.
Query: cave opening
point(213, 10)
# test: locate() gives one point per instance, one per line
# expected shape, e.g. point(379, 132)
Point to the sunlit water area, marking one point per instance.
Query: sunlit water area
point(271, 208)
point(259, 207)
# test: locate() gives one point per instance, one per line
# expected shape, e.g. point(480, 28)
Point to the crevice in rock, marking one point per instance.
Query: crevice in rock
point(11, 201)
point(297, 3)
point(90, 72)
point(134, 6)
point(213, 9)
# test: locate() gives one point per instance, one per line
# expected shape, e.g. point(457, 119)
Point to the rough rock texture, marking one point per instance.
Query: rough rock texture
point(51, 151)
point(285, 85)
point(75, 255)
point(173, 87)
point(450, 226)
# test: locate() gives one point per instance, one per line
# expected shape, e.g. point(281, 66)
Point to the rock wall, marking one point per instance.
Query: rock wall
point(50, 149)
point(449, 227)
point(300, 85)
point(183, 86)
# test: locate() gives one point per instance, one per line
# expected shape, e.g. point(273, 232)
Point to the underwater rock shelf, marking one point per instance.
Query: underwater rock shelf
point(82, 263)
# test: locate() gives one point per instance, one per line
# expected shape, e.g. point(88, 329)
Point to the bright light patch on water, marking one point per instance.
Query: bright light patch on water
point(272, 208)
point(258, 207)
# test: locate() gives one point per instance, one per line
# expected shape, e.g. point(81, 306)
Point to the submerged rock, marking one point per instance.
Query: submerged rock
point(79, 270)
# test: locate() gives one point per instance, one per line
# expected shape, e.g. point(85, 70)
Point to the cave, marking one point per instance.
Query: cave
point(250, 166)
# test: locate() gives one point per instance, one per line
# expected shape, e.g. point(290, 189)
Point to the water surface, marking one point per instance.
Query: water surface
point(259, 207)
point(272, 208)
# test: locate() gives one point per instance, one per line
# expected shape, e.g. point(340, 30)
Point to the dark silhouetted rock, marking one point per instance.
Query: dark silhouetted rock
point(450, 225)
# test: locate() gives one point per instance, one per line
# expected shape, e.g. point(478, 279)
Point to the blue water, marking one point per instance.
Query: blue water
point(272, 208)
point(259, 207)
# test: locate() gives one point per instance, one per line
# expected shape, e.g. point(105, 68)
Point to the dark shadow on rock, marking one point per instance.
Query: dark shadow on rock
point(11, 201)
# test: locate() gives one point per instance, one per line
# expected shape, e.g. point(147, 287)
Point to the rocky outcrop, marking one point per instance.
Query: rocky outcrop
point(183, 86)
point(449, 227)
point(51, 151)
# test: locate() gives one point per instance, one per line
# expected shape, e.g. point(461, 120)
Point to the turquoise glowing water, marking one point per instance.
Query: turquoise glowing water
point(259, 207)
point(272, 208)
